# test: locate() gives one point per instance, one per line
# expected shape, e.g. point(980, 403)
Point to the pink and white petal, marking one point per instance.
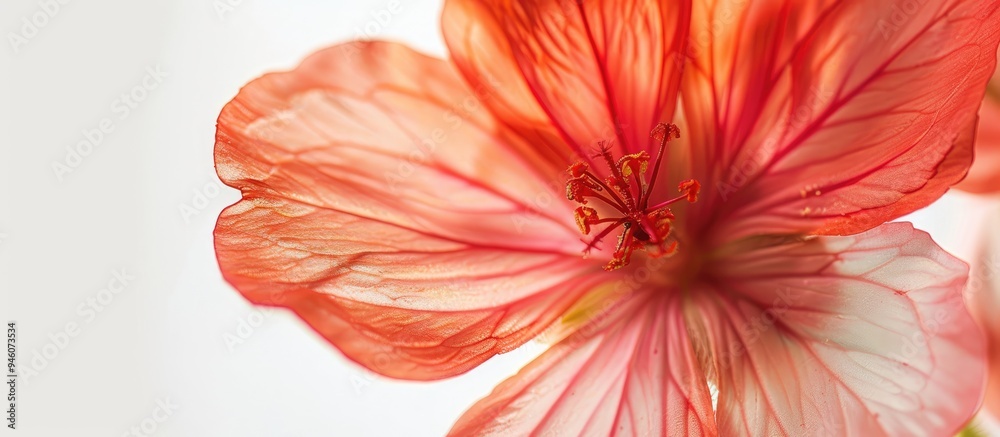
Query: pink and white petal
point(632, 371)
point(833, 116)
point(862, 336)
point(599, 70)
point(983, 293)
point(366, 190)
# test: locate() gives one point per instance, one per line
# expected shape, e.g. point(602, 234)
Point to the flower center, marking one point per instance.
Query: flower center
point(627, 192)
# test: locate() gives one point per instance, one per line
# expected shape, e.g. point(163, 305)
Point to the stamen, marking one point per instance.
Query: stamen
point(616, 180)
point(635, 165)
point(593, 243)
point(586, 217)
point(663, 133)
point(692, 187)
point(623, 251)
point(645, 228)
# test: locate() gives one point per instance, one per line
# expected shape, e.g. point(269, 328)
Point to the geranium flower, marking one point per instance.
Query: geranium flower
point(984, 176)
point(730, 165)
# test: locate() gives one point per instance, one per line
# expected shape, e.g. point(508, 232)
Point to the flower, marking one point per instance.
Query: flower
point(424, 215)
point(984, 176)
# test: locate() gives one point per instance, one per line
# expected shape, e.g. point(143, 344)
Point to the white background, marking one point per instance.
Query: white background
point(163, 338)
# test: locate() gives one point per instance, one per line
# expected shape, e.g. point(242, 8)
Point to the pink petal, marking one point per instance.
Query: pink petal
point(865, 335)
point(833, 116)
point(401, 221)
point(632, 371)
point(596, 69)
point(983, 293)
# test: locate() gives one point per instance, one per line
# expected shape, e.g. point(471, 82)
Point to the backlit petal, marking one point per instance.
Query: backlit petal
point(631, 371)
point(599, 70)
point(406, 225)
point(984, 176)
point(865, 335)
point(983, 293)
point(833, 116)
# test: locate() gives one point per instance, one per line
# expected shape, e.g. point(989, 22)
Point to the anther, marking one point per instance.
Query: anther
point(644, 227)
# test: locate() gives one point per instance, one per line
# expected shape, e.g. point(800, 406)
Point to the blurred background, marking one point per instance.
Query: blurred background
point(106, 260)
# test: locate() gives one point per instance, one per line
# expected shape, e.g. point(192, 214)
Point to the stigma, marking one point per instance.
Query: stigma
point(627, 192)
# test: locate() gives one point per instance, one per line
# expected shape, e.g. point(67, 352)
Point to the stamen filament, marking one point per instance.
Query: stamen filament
point(620, 204)
point(616, 172)
point(646, 228)
point(669, 202)
point(593, 243)
point(667, 129)
point(610, 203)
point(607, 220)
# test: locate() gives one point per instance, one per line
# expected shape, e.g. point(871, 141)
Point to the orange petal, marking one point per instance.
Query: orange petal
point(833, 116)
point(404, 223)
point(863, 335)
point(631, 372)
point(599, 70)
point(984, 176)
